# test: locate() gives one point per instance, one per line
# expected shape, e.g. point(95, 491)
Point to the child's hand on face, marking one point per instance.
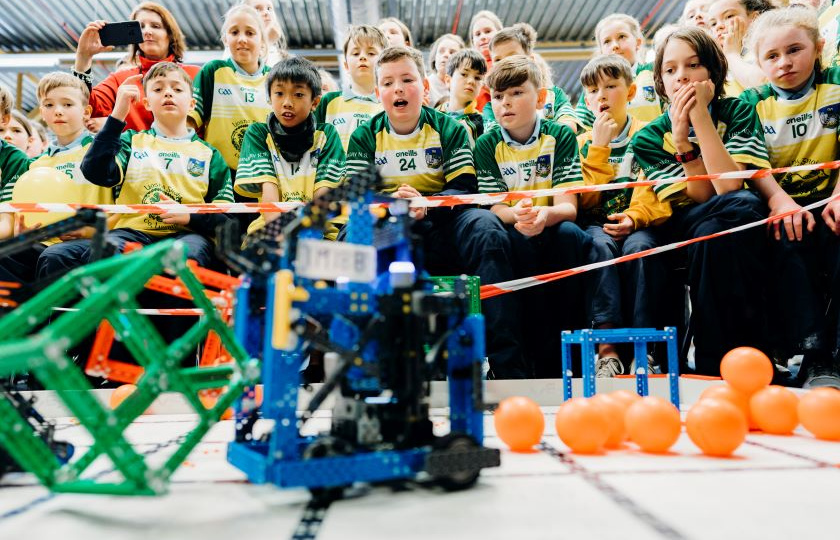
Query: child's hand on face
point(683, 102)
point(733, 37)
point(604, 129)
point(622, 228)
point(127, 94)
point(705, 93)
point(172, 218)
point(406, 191)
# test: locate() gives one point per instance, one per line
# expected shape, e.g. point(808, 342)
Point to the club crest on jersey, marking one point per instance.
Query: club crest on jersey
point(434, 158)
point(154, 194)
point(830, 116)
point(543, 166)
point(314, 155)
point(548, 110)
point(195, 167)
point(238, 134)
point(649, 93)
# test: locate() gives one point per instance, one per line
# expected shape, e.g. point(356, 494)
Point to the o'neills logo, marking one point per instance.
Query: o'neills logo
point(801, 118)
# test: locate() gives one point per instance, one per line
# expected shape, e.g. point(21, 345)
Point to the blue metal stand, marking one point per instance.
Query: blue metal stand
point(589, 339)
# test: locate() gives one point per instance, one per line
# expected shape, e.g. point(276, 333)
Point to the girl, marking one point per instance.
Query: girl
point(483, 26)
point(276, 39)
point(230, 94)
point(396, 32)
point(728, 22)
point(520, 40)
point(695, 13)
point(443, 47)
point(163, 42)
point(705, 133)
point(17, 131)
point(621, 34)
point(800, 112)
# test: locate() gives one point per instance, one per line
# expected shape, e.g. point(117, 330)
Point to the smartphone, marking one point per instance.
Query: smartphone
point(121, 33)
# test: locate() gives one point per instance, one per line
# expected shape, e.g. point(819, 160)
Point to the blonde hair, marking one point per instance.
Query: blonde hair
point(802, 17)
point(177, 43)
point(61, 79)
point(6, 101)
point(522, 33)
point(434, 49)
point(395, 54)
point(485, 14)
point(365, 33)
point(514, 71)
point(251, 12)
point(161, 69)
point(409, 42)
point(281, 41)
point(631, 23)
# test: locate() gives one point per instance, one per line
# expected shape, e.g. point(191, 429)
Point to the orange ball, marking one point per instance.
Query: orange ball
point(716, 426)
point(583, 425)
point(209, 401)
point(519, 423)
point(746, 369)
point(615, 419)
point(653, 423)
point(739, 399)
point(774, 410)
point(819, 412)
point(120, 394)
point(625, 397)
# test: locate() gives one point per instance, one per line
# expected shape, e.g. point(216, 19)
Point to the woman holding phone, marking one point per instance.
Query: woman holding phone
point(162, 42)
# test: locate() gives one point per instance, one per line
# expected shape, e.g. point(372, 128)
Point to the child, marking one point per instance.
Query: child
point(40, 139)
point(800, 111)
point(166, 164)
point(230, 94)
point(465, 75)
point(483, 26)
point(621, 34)
point(695, 13)
point(276, 39)
point(729, 21)
point(443, 47)
point(527, 152)
point(396, 32)
point(13, 162)
point(64, 107)
point(17, 131)
point(357, 104)
point(705, 133)
point(628, 294)
point(292, 157)
point(520, 40)
point(420, 151)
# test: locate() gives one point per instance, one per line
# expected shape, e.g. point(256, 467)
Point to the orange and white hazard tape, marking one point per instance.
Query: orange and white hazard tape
point(179, 312)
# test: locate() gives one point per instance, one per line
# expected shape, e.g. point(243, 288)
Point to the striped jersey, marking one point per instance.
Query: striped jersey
point(434, 154)
point(739, 129)
point(548, 161)
point(644, 106)
point(469, 117)
point(801, 131)
point(186, 170)
point(346, 111)
point(557, 108)
point(13, 163)
point(227, 101)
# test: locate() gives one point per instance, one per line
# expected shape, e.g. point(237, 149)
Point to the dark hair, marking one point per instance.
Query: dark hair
point(295, 70)
point(468, 58)
point(757, 6)
point(611, 66)
point(708, 51)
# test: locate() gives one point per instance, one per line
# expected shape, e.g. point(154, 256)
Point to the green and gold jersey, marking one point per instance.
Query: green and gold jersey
point(829, 24)
point(623, 168)
point(13, 163)
point(227, 101)
point(739, 129)
point(435, 154)
point(346, 111)
point(186, 170)
point(469, 117)
point(557, 108)
point(644, 106)
point(801, 131)
point(549, 160)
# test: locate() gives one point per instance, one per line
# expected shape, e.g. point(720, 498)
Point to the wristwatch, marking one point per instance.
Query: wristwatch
point(689, 156)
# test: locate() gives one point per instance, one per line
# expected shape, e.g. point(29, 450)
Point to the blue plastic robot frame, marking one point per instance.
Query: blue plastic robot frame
point(366, 301)
point(640, 337)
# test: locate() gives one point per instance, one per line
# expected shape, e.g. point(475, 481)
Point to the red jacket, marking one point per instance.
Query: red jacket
point(104, 94)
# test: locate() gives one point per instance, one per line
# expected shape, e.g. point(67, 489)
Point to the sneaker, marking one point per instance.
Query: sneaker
point(652, 366)
point(608, 366)
point(818, 369)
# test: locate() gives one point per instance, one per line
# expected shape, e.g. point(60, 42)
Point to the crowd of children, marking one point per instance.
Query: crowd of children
point(735, 85)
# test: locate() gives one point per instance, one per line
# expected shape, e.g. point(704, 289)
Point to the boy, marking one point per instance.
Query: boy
point(292, 157)
point(526, 152)
point(616, 220)
point(64, 107)
point(421, 151)
point(166, 164)
point(464, 73)
point(354, 106)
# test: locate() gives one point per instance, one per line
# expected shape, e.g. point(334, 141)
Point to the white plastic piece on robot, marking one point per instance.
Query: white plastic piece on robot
point(401, 274)
point(342, 283)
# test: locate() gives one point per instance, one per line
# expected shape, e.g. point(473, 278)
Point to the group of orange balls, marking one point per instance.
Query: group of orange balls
point(718, 423)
